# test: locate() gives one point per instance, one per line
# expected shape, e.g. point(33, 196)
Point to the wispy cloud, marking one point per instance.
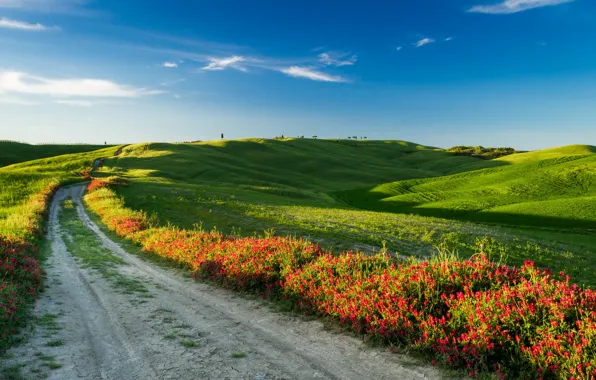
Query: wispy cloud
point(22, 25)
point(448, 39)
point(14, 101)
point(514, 6)
point(171, 65)
point(216, 64)
point(309, 73)
point(12, 82)
point(399, 48)
point(75, 103)
point(424, 41)
point(168, 83)
point(337, 59)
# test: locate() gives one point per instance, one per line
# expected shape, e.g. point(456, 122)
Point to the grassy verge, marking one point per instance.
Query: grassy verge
point(242, 213)
point(21, 276)
point(85, 246)
point(474, 314)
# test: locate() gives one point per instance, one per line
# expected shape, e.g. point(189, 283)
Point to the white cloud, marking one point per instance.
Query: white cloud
point(75, 103)
point(21, 25)
point(337, 59)
point(22, 83)
point(399, 48)
point(424, 41)
point(171, 65)
point(448, 39)
point(514, 6)
point(308, 73)
point(223, 63)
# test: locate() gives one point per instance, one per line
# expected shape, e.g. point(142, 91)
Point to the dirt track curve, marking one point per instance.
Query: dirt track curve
point(183, 329)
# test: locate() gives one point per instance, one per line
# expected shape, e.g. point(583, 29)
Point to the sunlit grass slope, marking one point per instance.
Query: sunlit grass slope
point(302, 164)
point(12, 152)
point(297, 187)
point(21, 181)
point(553, 187)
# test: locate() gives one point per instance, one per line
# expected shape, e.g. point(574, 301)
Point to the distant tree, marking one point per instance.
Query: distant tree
point(355, 137)
point(222, 136)
point(315, 137)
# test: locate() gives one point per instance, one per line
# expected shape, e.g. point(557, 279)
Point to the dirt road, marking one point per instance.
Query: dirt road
point(93, 324)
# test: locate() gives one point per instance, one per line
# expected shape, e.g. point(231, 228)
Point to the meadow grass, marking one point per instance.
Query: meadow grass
point(20, 183)
point(188, 184)
point(554, 188)
point(12, 152)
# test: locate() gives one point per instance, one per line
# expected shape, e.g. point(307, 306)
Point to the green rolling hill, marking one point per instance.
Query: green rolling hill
point(12, 152)
point(20, 181)
point(304, 164)
point(554, 187)
point(351, 194)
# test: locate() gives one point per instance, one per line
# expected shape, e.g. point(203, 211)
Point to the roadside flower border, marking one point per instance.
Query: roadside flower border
point(472, 314)
point(21, 276)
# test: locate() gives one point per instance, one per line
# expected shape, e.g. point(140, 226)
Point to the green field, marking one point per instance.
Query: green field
point(12, 152)
point(550, 188)
point(19, 182)
point(342, 194)
point(350, 195)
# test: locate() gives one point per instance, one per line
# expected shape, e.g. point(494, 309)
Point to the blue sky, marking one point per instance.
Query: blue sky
point(520, 73)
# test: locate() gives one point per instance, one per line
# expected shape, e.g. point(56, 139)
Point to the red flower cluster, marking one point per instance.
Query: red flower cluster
point(243, 263)
point(472, 314)
point(20, 273)
point(21, 278)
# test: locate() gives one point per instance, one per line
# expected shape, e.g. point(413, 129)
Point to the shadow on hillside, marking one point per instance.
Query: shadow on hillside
point(328, 165)
point(373, 202)
point(231, 165)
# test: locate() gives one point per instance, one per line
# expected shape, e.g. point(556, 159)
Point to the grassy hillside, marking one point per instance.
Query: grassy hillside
point(305, 188)
point(314, 165)
point(12, 152)
point(555, 187)
point(22, 181)
point(558, 152)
